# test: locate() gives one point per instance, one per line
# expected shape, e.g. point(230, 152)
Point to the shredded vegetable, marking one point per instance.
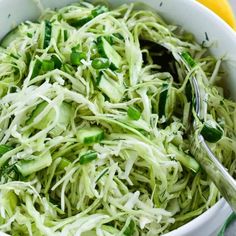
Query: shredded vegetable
point(95, 114)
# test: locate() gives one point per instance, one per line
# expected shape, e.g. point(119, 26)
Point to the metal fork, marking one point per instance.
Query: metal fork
point(204, 155)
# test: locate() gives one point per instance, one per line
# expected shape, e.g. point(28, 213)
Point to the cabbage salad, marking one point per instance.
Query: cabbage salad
point(95, 114)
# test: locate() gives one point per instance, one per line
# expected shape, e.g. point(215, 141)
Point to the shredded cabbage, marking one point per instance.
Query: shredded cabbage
point(133, 184)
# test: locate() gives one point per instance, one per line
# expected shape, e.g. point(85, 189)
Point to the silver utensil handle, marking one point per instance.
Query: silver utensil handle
point(215, 170)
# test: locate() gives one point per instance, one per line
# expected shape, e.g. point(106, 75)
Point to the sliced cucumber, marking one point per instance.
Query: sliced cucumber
point(186, 160)
point(79, 22)
point(111, 88)
point(33, 164)
point(88, 157)
point(65, 111)
point(57, 61)
point(90, 135)
point(211, 131)
point(47, 33)
point(36, 68)
point(106, 50)
point(163, 100)
point(9, 37)
point(166, 101)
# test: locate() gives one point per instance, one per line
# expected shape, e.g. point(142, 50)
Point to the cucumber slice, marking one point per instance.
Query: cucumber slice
point(211, 131)
point(33, 164)
point(106, 50)
point(79, 22)
point(186, 160)
point(37, 68)
point(9, 37)
point(65, 111)
point(88, 157)
point(47, 33)
point(166, 101)
point(90, 135)
point(163, 100)
point(111, 88)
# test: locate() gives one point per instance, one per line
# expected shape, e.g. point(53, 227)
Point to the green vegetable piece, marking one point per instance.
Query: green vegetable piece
point(110, 88)
point(4, 148)
point(9, 37)
point(211, 131)
point(79, 22)
point(119, 36)
point(87, 157)
point(33, 164)
point(100, 63)
point(76, 48)
point(76, 57)
point(106, 50)
point(99, 10)
point(57, 61)
point(90, 135)
point(130, 230)
point(66, 36)
point(188, 59)
point(65, 111)
point(68, 69)
point(47, 65)
point(63, 164)
point(47, 34)
point(163, 100)
point(36, 69)
point(133, 113)
point(186, 160)
point(11, 202)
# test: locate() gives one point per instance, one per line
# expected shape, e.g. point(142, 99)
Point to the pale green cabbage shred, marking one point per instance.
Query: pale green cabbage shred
point(134, 186)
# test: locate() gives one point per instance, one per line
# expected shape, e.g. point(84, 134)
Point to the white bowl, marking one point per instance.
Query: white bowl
point(194, 18)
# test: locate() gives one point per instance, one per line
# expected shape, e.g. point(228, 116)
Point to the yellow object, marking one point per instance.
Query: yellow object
point(221, 8)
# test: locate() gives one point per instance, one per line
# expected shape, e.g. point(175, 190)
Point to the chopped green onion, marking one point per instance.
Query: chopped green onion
point(87, 157)
point(100, 63)
point(76, 57)
point(133, 113)
point(47, 65)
